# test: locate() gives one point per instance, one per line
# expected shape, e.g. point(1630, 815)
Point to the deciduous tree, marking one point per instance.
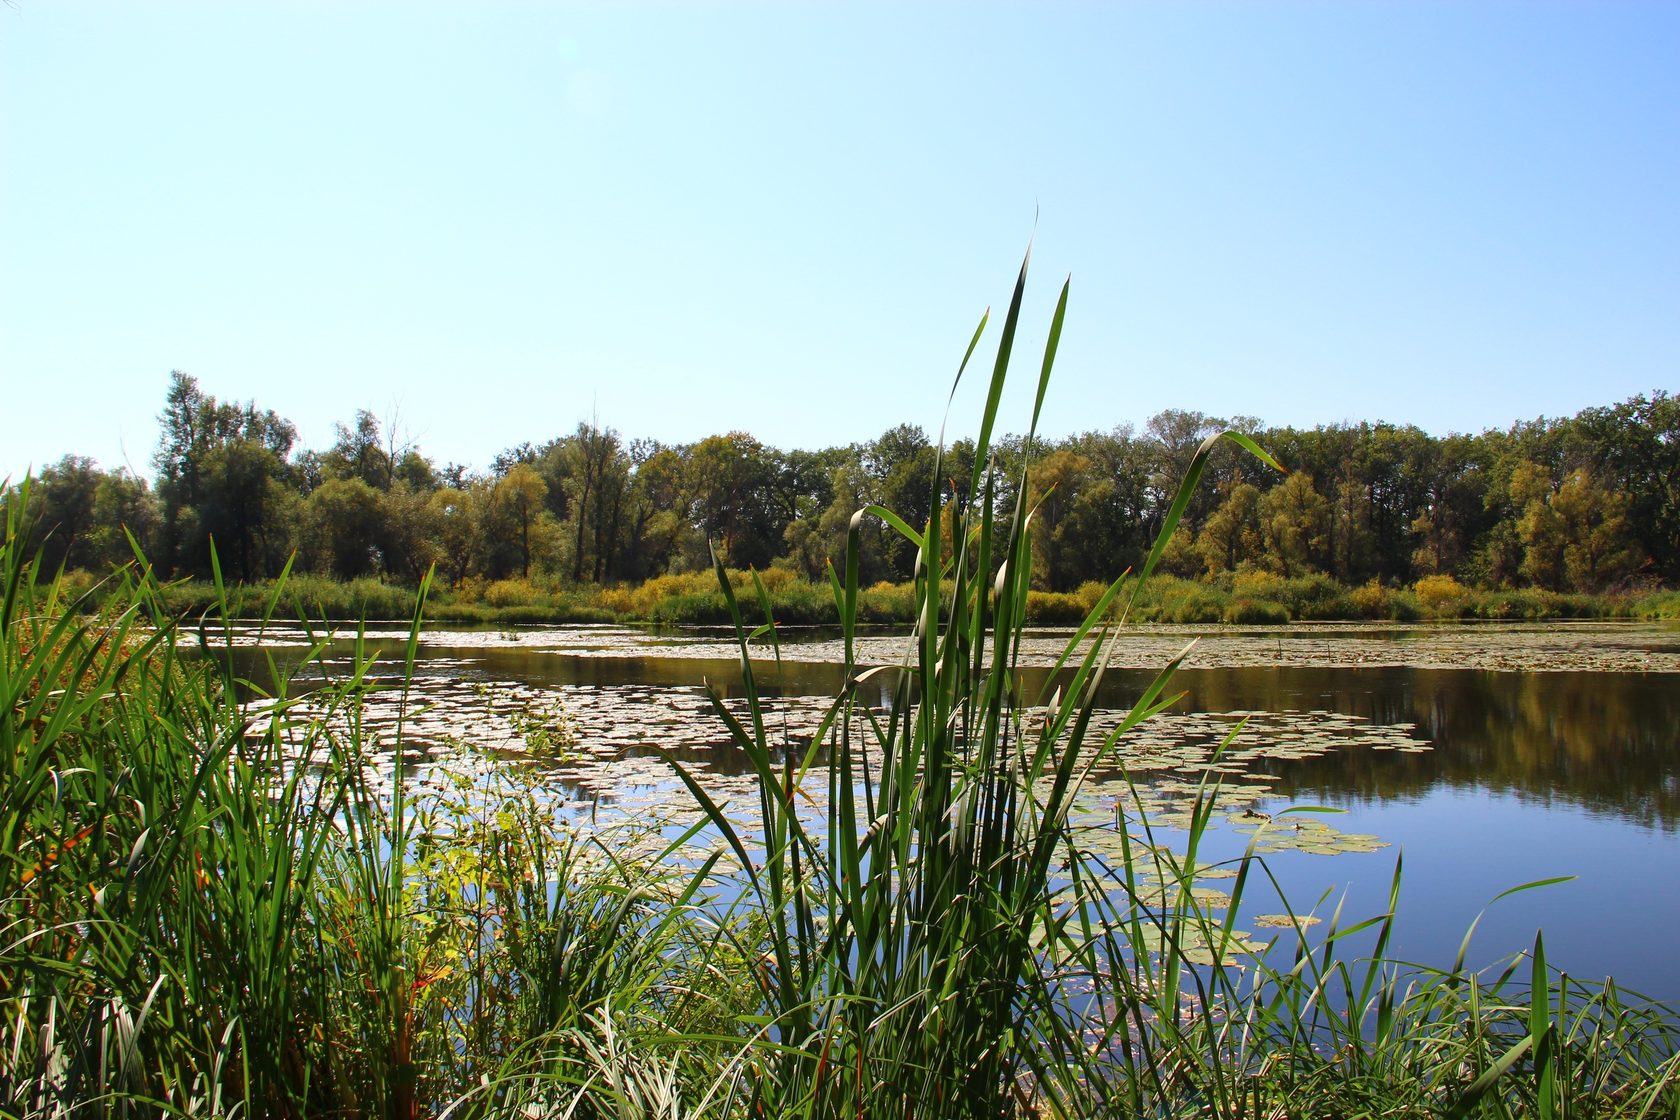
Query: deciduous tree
point(1231, 532)
point(1295, 526)
point(518, 499)
point(1599, 546)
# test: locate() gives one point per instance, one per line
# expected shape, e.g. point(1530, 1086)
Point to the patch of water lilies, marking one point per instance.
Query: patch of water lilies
point(1520, 647)
point(589, 751)
point(595, 744)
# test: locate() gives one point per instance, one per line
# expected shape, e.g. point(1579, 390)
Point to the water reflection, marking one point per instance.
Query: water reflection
point(1605, 742)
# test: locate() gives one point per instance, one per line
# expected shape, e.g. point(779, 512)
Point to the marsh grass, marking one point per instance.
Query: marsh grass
point(1247, 597)
point(218, 901)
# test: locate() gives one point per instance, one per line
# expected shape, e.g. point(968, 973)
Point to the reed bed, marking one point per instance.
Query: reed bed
point(219, 897)
point(1249, 597)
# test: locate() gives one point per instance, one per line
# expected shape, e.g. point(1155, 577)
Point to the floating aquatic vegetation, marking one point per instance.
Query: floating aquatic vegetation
point(1589, 646)
point(1304, 834)
point(597, 743)
point(1200, 946)
point(1166, 895)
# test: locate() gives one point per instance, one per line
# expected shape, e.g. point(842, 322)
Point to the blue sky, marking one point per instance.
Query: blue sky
point(492, 220)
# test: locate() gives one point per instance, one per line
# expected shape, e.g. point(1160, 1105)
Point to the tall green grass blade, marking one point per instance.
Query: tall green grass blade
point(1541, 1030)
point(1000, 368)
point(1051, 344)
point(1464, 945)
point(1466, 1102)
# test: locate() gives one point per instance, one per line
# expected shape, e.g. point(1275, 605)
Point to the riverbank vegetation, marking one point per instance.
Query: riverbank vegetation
point(1247, 597)
point(221, 899)
point(1566, 517)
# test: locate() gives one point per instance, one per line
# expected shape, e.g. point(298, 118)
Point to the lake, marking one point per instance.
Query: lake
point(1487, 755)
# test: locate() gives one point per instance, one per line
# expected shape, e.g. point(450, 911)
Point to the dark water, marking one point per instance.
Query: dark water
point(1532, 775)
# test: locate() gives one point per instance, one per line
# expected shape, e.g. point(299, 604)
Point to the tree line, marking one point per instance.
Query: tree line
point(1584, 503)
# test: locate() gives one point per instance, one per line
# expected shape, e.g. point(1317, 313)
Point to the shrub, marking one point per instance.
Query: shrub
point(1538, 603)
point(692, 608)
point(800, 602)
point(1662, 604)
point(887, 602)
point(1054, 608)
point(1581, 606)
point(1369, 601)
point(1249, 612)
point(1201, 605)
point(617, 601)
point(1258, 583)
point(774, 579)
point(1089, 593)
point(1524, 603)
point(1314, 596)
point(513, 593)
point(1442, 596)
point(1403, 606)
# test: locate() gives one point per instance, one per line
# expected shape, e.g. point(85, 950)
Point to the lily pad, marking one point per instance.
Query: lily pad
point(1285, 921)
point(1198, 946)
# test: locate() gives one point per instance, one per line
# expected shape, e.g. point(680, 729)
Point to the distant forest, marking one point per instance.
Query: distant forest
point(1586, 503)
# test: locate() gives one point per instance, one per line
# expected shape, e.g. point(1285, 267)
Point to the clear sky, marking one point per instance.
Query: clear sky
point(493, 220)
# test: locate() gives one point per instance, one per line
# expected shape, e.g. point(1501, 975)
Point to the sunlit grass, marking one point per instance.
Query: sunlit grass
point(1243, 598)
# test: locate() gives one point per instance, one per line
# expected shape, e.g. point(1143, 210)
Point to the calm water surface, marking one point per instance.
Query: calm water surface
point(1532, 775)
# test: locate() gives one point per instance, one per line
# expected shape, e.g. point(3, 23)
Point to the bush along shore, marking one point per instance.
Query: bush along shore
point(221, 898)
point(1245, 597)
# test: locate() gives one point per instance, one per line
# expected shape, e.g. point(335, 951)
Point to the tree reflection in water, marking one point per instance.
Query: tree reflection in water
point(1603, 741)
